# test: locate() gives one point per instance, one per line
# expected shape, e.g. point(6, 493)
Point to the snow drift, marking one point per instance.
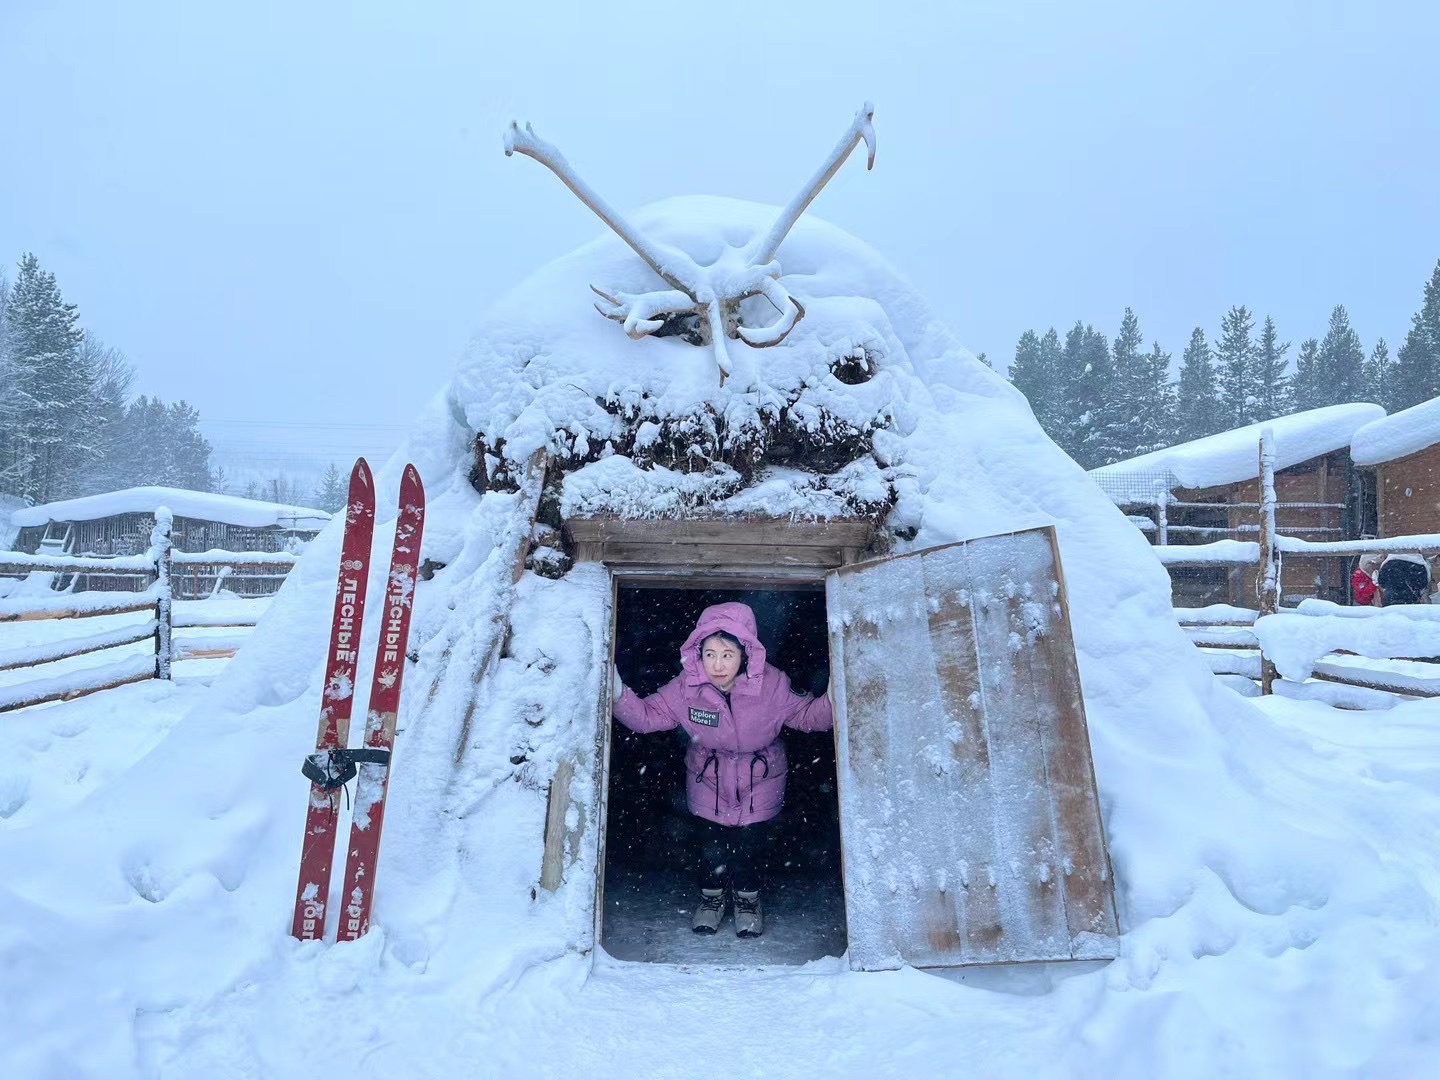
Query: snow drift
point(1278, 905)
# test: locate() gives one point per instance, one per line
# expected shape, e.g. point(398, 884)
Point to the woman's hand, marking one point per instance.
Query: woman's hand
point(616, 686)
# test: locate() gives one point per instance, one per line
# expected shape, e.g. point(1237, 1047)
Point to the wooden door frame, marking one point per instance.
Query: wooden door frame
point(698, 553)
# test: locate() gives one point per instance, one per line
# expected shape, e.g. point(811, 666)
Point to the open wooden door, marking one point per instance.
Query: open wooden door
point(970, 827)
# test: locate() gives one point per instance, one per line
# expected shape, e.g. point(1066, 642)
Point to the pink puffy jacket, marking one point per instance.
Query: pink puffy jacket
point(735, 764)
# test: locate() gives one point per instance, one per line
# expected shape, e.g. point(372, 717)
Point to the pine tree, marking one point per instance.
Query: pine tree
point(10, 402)
point(1271, 387)
point(1342, 361)
point(1417, 364)
point(1155, 419)
point(1235, 355)
point(1036, 373)
point(1143, 395)
point(53, 384)
point(1379, 376)
point(1094, 424)
point(1197, 405)
point(1307, 390)
point(331, 493)
point(1028, 375)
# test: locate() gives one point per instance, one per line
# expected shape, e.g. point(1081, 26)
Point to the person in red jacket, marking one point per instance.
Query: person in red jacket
point(732, 705)
point(1363, 589)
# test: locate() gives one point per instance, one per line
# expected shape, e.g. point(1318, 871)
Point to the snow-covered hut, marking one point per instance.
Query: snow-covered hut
point(1403, 451)
point(119, 522)
point(1267, 927)
point(1209, 489)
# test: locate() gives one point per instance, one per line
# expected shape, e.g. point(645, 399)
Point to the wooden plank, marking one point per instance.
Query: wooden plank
point(1086, 881)
point(1034, 926)
point(1375, 682)
point(185, 652)
point(860, 613)
point(12, 659)
point(557, 805)
point(951, 626)
point(117, 608)
point(736, 529)
point(121, 673)
point(970, 823)
point(713, 555)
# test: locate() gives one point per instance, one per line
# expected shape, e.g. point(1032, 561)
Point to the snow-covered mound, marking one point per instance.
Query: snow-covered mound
point(1277, 896)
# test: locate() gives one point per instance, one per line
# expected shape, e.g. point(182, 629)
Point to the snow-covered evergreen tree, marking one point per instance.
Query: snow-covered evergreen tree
point(1379, 376)
point(1096, 424)
point(54, 386)
point(1342, 361)
point(1143, 394)
point(1155, 420)
point(1037, 373)
point(1417, 364)
point(1307, 390)
point(331, 493)
point(1271, 385)
point(1235, 357)
point(1197, 404)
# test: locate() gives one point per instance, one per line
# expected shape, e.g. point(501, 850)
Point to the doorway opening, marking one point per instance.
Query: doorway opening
point(651, 841)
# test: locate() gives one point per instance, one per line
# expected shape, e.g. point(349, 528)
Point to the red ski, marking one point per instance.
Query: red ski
point(328, 768)
point(374, 780)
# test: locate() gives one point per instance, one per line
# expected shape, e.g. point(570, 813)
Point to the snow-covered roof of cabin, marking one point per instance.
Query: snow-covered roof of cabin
point(1406, 432)
point(1232, 457)
point(198, 505)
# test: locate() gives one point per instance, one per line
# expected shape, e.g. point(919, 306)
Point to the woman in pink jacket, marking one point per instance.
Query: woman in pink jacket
point(732, 704)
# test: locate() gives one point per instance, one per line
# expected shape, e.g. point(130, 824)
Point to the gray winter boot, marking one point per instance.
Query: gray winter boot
point(749, 922)
point(709, 912)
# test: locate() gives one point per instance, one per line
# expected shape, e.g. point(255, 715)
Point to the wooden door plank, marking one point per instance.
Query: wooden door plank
point(970, 826)
point(963, 771)
point(1087, 882)
point(1032, 911)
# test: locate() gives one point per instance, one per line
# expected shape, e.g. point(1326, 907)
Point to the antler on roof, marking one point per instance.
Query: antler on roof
point(693, 289)
point(860, 128)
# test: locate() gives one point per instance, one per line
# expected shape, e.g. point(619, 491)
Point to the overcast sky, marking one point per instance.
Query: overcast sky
point(293, 215)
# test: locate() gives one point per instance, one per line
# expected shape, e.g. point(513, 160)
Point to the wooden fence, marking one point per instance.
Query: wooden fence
point(1230, 630)
point(153, 575)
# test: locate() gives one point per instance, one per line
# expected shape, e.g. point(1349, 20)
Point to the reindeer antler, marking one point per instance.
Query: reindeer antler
point(860, 128)
point(532, 146)
point(712, 294)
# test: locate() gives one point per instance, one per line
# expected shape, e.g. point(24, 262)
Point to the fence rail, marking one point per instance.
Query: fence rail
point(155, 571)
point(1223, 627)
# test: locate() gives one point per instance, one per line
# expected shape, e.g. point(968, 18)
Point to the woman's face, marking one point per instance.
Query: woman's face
point(722, 661)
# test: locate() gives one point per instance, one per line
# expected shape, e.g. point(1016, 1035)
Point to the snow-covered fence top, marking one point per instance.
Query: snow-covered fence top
point(1407, 432)
point(1229, 457)
point(154, 565)
point(199, 505)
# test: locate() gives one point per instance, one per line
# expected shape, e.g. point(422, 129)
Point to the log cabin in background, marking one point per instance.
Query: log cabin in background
point(1399, 459)
point(119, 523)
point(1209, 489)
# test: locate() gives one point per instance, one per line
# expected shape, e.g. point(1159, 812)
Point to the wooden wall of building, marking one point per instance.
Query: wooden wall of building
point(1408, 493)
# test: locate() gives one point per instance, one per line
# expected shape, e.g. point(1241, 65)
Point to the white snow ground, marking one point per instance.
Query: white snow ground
point(1275, 863)
point(1241, 973)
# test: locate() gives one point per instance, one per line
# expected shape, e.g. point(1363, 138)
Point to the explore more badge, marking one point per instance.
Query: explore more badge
point(704, 717)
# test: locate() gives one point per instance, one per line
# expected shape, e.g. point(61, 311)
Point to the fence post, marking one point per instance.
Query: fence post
point(1162, 522)
point(160, 544)
point(1267, 577)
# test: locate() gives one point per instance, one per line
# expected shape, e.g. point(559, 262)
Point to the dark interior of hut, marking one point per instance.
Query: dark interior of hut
point(650, 861)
